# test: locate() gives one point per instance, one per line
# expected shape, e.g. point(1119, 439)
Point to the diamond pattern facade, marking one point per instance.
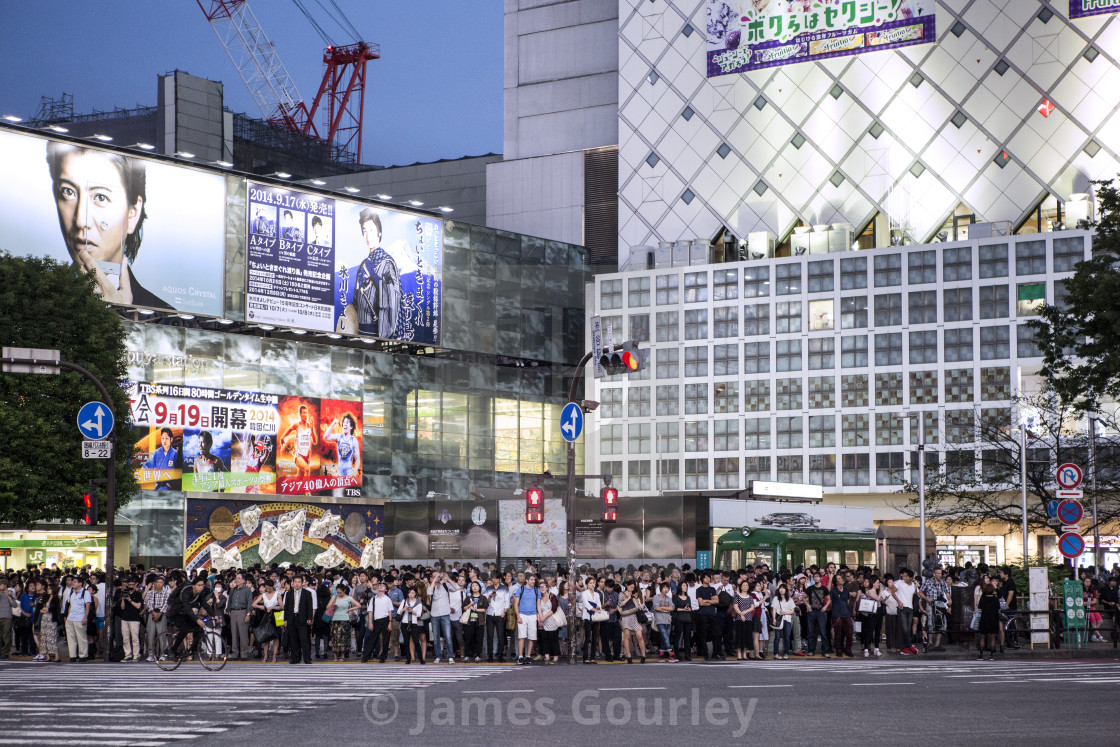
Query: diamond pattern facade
point(911, 133)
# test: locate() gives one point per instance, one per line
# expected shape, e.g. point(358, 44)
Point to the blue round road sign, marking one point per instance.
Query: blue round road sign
point(1052, 509)
point(1070, 512)
point(571, 421)
point(1071, 545)
point(95, 421)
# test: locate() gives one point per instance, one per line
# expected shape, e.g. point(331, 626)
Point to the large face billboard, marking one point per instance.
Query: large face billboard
point(151, 234)
point(334, 266)
point(229, 441)
point(748, 35)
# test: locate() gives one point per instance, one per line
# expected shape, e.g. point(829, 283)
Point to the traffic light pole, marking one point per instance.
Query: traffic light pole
point(574, 621)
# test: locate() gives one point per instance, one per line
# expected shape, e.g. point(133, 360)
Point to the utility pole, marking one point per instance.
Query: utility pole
point(922, 486)
point(1098, 556)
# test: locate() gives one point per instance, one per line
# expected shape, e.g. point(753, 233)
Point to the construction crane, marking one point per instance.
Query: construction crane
point(343, 89)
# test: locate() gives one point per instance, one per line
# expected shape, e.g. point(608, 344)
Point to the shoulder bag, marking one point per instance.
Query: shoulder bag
point(511, 618)
point(465, 618)
point(599, 616)
point(559, 618)
point(868, 606)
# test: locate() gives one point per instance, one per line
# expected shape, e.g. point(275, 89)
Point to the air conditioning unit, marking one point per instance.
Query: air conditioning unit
point(818, 239)
point(680, 253)
point(799, 241)
point(840, 237)
point(760, 245)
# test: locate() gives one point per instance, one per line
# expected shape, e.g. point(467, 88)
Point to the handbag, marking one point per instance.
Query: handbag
point(511, 618)
point(857, 626)
point(265, 631)
point(868, 606)
point(975, 623)
point(465, 618)
point(559, 618)
point(643, 618)
point(328, 615)
point(599, 616)
point(278, 615)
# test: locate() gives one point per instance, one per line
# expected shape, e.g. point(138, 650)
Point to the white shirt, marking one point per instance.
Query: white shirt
point(101, 600)
point(381, 606)
point(590, 601)
point(905, 593)
point(692, 598)
point(500, 603)
point(410, 611)
point(783, 607)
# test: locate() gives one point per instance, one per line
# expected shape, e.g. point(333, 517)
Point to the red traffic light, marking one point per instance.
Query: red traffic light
point(610, 504)
point(630, 360)
point(91, 508)
point(534, 505)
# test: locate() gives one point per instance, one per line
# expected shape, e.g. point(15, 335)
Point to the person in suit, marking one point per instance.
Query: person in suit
point(298, 615)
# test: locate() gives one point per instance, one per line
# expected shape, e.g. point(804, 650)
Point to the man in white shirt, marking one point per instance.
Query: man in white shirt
point(905, 589)
point(378, 613)
point(439, 595)
point(77, 616)
point(455, 599)
point(497, 595)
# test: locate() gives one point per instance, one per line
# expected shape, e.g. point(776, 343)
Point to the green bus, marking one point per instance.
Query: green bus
point(789, 548)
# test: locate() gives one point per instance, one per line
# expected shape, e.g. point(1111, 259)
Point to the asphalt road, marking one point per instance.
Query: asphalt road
point(823, 702)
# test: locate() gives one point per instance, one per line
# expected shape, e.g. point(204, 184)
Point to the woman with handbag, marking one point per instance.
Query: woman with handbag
point(741, 620)
point(682, 622)
point(341, 606)
point(869, 605)
point(758, 617)
point(549, 624)
point(49, 613)
point(411, 610)
point(892, 625)
point(473, 622)
point(632, 615)
point(781, 615)
point(269, 602)
point(663, 621)
point(591, 602)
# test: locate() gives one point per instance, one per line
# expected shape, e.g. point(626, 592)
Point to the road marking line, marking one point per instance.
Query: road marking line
point(879, 684)
point(619, 689)
point(494, 692)
point(738, 687)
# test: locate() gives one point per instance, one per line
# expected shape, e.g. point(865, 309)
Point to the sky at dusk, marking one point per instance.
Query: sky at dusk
point(435, 93)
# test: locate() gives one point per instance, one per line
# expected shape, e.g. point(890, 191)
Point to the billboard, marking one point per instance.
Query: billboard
point(735, 513)
point(230, 441)
point(1083, 8)
point(151, 234)
point(228, 533)
point(340, 267)
point(748, 35)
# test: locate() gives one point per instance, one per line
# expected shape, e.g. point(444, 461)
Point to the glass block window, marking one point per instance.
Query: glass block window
point(610, 439)
point(1025, 346)
point(668, 399)
point(637, 475)
point(639, 327)
point(995, 422)
point(853, 429)
point(853, 390)
point(888, 309)
point(1061, 294)
point(787, 279)
point(667, 288)
point(668, 326)
point(923, 307)
point(756, 468)
point(822, 353)
point(888, 270)
point(669, 474)
point(958, 345)
point(725, 435)
point(994, 301)
point(695, 287)
point(820, 275)
point(888, 389)
point(923, 346)
point(637, 292)
point(611, 468)
point(960, 466)
point(695, 435)
point(787, 355)
point(956, 263)
point(853, 273)
point(791, 468)
point(725, 473)
point(1067, 253)
point(756, 357)
point(787, 434)
point(959, 385)
point(822, 470)
point(756, 319)
point(995, 343)
point(958, 304)
point(931, 427)
point(696, 324)
point(726, 320)
point(638, 435)
point(822, 431)
point(695, 399)
point(725, 360)
point(756, 396)
point(821, 315)
point(960, 426)
point(1030, 258)
point(637, 402)
point(610, 294)
point(696, 361)
point(725, 397)
point(888, 429)
point(725, 285)
point(993, 261)
point(995, 384)
point(756, 434)
point(787, 394)
point(853, 312)
point(890, 468)
point(923, 387)
point(756, 282)
point(888, 349)
point(996, 468)
point(610, 402)
point(921, 267)
point(668, 363)
point(787, 317)
point(856, 469)
point(695, 474)
point(853, 351)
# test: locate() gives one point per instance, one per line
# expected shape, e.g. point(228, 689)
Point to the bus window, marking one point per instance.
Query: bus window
point(810, 558)
point(851, 558)
point(789, 560)
point(869, 558)
point(729, 560)
point(832, 556)
point(754, 558)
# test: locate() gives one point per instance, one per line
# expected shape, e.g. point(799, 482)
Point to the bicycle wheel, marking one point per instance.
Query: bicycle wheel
point(211, 650)
point(167, 658)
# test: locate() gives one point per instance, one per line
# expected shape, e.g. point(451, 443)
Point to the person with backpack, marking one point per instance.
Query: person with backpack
point(526, 602)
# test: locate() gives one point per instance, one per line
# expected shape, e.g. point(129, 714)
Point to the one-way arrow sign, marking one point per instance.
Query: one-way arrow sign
point(95, 420)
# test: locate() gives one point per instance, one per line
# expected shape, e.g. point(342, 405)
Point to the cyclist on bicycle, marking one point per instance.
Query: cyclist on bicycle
point(188, 611)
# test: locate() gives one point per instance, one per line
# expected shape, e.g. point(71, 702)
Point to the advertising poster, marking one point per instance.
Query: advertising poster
point(152, 234)
point(748, 35)
point(229, 441)
point(735, 513)
point(1083, 8)
point(240, 533)
point(335, 266)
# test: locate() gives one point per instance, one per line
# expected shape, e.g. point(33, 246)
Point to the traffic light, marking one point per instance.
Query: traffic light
point(610, 504)
point(622, 359)
point(534, 505)
point(90, 501)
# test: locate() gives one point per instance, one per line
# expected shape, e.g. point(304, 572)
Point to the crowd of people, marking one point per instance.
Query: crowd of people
point(465, 613)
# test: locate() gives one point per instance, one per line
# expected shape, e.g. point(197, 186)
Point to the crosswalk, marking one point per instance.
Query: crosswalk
point(973, 672)
point(141, 706)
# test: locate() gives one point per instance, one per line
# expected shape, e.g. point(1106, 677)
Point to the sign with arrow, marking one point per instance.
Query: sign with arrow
point(571, 421)
point(95, 421)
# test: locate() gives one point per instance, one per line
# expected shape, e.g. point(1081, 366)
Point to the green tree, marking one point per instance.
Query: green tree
point(1080, 339)
point(44, 304)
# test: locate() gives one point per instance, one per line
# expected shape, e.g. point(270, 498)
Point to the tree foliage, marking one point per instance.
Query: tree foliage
point(44, 304)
